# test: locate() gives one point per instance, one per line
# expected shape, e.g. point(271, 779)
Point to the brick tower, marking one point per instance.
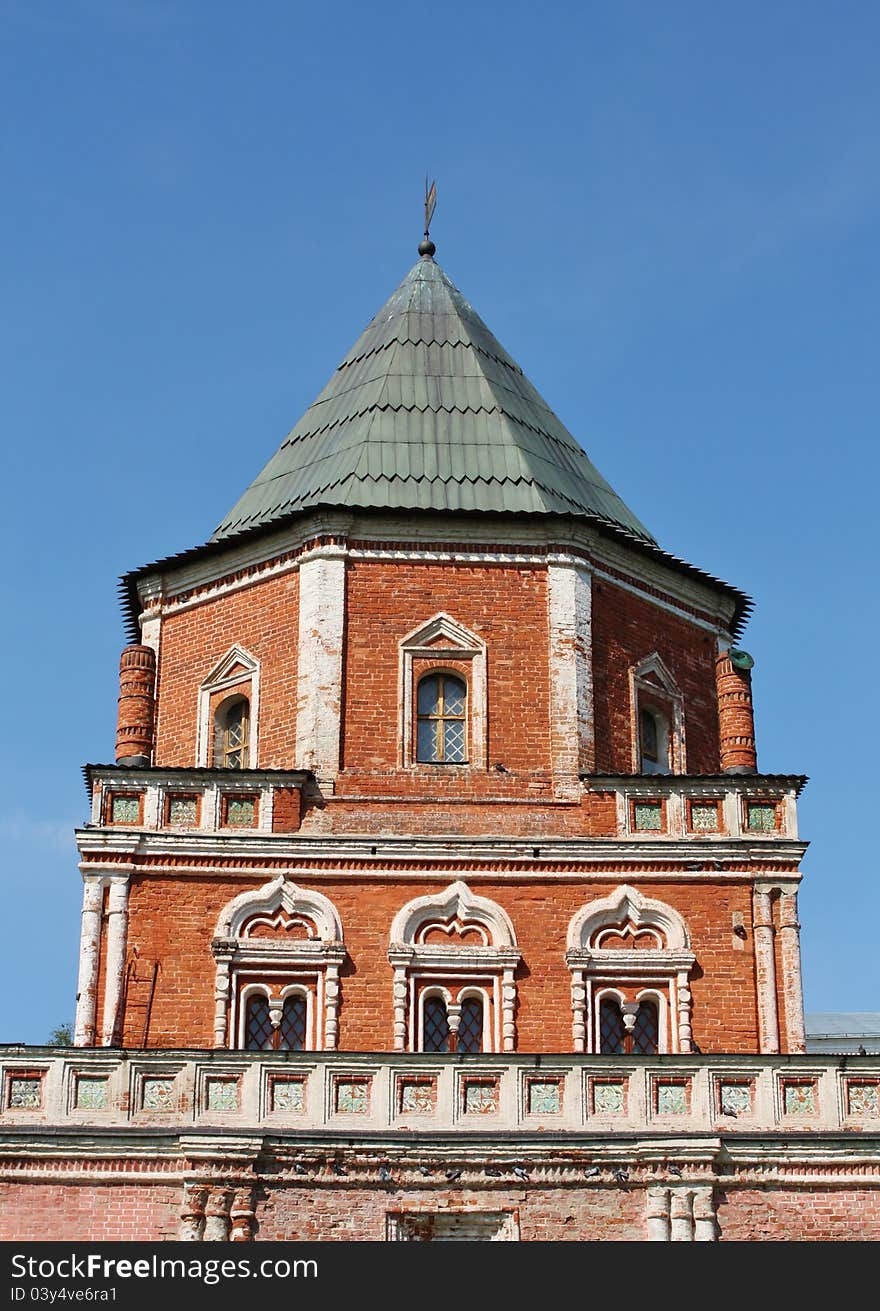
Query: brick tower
point(435, 890)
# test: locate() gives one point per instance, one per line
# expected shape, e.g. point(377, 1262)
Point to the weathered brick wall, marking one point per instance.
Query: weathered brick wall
point(795, 1214)
point(92, 1211)
point(173, 920)
point(263, 618)
point(626, 629)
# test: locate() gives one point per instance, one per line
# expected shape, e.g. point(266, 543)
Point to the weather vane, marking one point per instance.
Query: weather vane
point(426, 245)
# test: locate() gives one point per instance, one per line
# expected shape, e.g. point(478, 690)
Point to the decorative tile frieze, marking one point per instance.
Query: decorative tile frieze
point(25, 1092)
point(239, 812)
point(704, 816)
point(863, 1099)
point(799, 1097)
point(351, 1096)
point(760, 817)
point(672, 1096)
point(182, 810)
point(221, 1094)
point(416, 1096)
point(480, 1096)
point(543, 1096)
point(735, 1097)
point(124, 808)
point(287, 1095)
point(157, 1094)
point(608, 1096)
point(647, 816)
point(91, 1093)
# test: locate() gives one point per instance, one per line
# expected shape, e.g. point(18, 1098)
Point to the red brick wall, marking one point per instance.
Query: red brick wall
point(724, 1016)
point(99, 1212)
point(264, 619)
point(505, 606)
point(625, 630)
point(800, 1214)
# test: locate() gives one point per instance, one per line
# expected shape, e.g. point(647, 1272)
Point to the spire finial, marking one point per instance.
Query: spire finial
point(426, 246)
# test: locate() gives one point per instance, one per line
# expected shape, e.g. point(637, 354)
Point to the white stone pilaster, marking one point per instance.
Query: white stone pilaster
point(792, 985)
point(657, 1205)
point(320, 658)
point(765, 971)
point(569, 602)
point(89, 955)
point(117, 937)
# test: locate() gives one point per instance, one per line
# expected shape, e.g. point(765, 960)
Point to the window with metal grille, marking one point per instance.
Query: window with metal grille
point(646, 1030)
point(435, 1026)
point(259, 1035)
point(470, 1026)
point(231, 735)
point(292, 1034)
point(441, 712)
point(612, 1035)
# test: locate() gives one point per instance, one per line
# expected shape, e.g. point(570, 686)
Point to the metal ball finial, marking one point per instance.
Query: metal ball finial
point(427, 247)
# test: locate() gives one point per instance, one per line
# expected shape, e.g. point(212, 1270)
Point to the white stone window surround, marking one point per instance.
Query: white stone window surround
point(320, 957)
point(664, 1002)
point(643, 689)
point(668, 968)
point(245, 682)
point(460, 645)
point(490, 1001)
point(313, 998)
point(416, 962)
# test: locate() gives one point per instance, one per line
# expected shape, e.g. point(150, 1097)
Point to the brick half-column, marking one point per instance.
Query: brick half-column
point(736, 717)
point(89, 956)
point(137, 703)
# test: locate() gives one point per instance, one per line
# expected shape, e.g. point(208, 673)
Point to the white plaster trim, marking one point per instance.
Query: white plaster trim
point(320, 637)
point(569, 615)
point(462, 645)
point(626, 903)
point(280, 895)
point(455, 902)
point(220, 680)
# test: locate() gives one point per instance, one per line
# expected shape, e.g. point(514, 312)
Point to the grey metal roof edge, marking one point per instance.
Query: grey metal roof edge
point(661, 781)
point(127, 583)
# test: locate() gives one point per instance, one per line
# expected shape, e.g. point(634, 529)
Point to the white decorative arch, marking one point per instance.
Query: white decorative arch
point(455, 904)
point(437, 639)
point(237, 671)
point(624, 905)
point(493, 960)
point(664, 970)
point(321, 955)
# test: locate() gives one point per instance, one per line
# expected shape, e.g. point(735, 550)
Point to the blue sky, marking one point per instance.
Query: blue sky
point(667, 213)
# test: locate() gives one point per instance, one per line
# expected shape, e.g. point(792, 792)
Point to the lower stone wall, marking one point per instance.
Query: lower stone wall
point(96, 1212)
point(108, 1210)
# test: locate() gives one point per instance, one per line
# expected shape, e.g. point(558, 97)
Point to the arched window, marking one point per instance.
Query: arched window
point(470, 1026)
point(294, 1018)
point(630, 1028)
point(441, 712)
point(654, 740)
point(231, 729)
point(435, 1025)
point(258, 1026)
point(612, 1035)
point(646, 1030)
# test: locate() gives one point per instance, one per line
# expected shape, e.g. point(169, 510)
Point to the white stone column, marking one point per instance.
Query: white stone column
point(569, 603)
point(657, 1206)
point(320, 658)
point(400, 995)
point(217, 1216)
point(89, 956)
point(705, 1223)
point(681, 1216)
point(765, 971)
point(221, 997)
point(331, 1006)
point(508, 1002)
point(685, 1032)
point(792, 986)
point(192, 1213)
point(117, 937)
point(578, 1011)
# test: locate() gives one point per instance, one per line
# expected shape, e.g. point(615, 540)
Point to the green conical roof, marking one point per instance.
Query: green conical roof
point(429, 412)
